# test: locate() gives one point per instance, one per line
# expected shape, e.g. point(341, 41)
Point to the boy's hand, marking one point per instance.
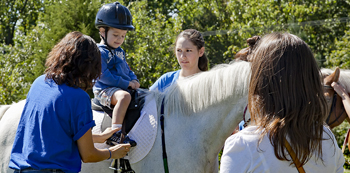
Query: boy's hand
point(137, 84)
point(132, 85)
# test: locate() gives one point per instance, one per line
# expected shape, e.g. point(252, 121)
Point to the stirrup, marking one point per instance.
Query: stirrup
point(122, 167)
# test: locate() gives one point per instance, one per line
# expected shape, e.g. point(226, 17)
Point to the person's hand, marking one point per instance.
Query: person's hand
point(131, 85)
point(119, 151)
point(340, 90)
point(107, 133)
point(137, 84)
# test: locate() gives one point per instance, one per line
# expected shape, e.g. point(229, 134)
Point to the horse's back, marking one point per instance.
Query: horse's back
point(8, 128)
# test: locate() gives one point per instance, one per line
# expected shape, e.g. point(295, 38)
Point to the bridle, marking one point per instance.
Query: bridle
point(334, 101)
point(245, 122)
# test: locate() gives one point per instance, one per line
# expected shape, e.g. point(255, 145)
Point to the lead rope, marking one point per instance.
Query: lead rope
point(165, 158)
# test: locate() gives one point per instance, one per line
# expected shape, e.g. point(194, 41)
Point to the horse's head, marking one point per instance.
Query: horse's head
point(337, 113)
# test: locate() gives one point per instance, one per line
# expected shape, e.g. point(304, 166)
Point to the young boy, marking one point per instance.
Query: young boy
point(113, 22)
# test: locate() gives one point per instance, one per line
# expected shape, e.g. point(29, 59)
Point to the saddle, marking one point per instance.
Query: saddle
point(132, 113)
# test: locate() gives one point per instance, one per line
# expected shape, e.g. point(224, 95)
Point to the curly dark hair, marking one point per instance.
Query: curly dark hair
point(75, 61)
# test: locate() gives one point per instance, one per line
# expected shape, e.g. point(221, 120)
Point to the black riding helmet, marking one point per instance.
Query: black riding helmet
point(114, 15)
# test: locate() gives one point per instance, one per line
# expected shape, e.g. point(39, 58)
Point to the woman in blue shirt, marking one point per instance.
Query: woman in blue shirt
point(54, 132)
point(189, 51)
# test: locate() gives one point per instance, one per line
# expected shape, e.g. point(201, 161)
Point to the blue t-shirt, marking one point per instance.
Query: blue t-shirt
point(165, 81)
point(115, 71)
point(53, 119)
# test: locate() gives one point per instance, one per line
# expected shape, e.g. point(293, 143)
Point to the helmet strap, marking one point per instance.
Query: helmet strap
point(105, 40)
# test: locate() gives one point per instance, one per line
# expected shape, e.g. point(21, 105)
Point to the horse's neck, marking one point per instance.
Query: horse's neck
point(222, 119)
point(210, 126)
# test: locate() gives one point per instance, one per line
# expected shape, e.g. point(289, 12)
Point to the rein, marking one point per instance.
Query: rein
point(245, 122)
point(165, 157)
point(334, 101)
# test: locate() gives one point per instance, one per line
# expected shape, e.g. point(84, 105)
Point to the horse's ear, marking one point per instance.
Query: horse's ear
point(336, 75)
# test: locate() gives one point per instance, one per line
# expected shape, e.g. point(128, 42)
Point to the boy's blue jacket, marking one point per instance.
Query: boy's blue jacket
point(115, 70)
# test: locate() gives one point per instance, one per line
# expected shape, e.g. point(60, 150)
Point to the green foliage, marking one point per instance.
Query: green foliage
point(13, 12)
point(149, 48)
point(341, 55)
point(26, 59)
point(77, 15)
point(14, 67)
point(225, 26)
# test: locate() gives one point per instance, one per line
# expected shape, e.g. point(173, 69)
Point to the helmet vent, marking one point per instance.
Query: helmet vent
point(120, 15)
point(128, 20)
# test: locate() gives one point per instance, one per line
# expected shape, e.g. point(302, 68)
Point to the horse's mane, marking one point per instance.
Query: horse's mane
point(203, 89)
point(344, 77)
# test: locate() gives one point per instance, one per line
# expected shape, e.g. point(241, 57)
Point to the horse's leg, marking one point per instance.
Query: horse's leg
point(8, 128)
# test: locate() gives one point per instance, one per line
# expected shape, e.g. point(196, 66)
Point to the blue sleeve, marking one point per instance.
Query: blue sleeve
point(83, 122)
point(156, 85)
point(161, 83)
point(165, 81)
point(131, 73)
point(107, 77)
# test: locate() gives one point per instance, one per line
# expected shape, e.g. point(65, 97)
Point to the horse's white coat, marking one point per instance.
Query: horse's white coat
point(3, 109)
point(200, 113)
point(8, 128)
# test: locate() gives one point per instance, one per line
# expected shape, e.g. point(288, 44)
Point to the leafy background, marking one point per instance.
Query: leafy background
point(30, 28)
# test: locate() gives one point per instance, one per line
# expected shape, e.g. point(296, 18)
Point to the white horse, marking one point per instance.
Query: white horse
point(10, 115)
point(200, 113)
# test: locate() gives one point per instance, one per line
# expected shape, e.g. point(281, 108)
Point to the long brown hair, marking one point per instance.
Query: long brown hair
point(75, 61)
point(197, 39)
point(286, 96)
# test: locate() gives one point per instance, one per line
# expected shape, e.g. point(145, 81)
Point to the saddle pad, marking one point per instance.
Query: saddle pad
point(144, 131)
